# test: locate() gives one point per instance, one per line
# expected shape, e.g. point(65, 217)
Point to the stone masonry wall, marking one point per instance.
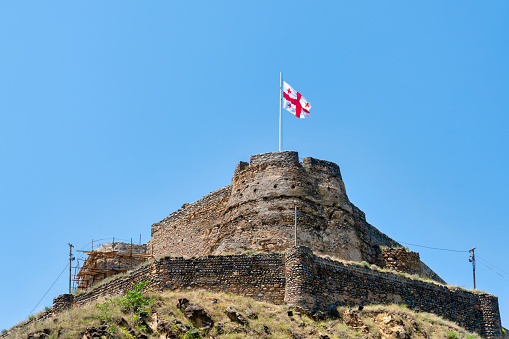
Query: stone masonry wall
point(319, 284)
point(260, 277)
point(402, 260)
point(311, 283)
point(256, 212)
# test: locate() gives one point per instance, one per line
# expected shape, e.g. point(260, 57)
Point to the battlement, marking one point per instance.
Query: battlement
point(282, 158)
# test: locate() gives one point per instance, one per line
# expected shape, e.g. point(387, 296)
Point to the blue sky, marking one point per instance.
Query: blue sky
point(114, 114)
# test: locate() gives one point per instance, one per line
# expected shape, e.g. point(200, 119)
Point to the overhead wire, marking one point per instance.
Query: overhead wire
point(433, 248)
point(459, 251)
point(490, 264)
point(495, 271)
point(49, 289)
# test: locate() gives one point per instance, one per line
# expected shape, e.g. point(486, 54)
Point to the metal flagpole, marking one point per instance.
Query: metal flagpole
point(280, 103)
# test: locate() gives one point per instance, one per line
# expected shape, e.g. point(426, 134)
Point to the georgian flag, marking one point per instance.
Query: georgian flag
point(295, 103)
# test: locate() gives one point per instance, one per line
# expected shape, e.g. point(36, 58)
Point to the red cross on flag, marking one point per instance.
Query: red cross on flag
point(295, 103)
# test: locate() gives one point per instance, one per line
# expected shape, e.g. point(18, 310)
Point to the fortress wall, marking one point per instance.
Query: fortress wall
point(259, 276)
point(302, 279)
point(282, 158)
point(330, 283)
point(121, 284)
point(256, 212)
point(400, 260)
point(193, 229)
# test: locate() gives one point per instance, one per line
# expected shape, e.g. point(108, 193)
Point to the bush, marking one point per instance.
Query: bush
point(134, 301)
point(451, 335)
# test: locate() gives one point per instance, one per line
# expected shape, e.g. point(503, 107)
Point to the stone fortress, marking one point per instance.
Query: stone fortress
point(256, 212)
point(198, 247)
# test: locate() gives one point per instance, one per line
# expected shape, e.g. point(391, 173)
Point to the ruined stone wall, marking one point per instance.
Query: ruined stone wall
point(401, 260)
point(193, 229)
point(122, 283)
point(304, 280)
point(258, 276)
point(319, 284)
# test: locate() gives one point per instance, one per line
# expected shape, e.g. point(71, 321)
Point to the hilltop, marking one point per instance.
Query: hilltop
point(205, 316)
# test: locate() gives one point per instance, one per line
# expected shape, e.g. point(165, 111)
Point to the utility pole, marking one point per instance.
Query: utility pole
point(70, 264)
point(472, 260)
point(295, 205)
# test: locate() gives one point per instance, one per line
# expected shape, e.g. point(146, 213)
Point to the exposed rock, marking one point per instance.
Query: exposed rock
point(41, 334)
point(352, 318)
point(166, 329)
point(235, 316)
point(197, 314)
point(295, 334)
point(95, 332)
point(219, 327)
point(390, 327)
point(250, 314)
point(182, 304)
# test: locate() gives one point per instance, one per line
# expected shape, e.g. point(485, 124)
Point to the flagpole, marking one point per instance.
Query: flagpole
point(280, 103)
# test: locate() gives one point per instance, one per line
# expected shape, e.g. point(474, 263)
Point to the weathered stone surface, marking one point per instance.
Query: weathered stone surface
point(256, 212)
point(63, 302)
point(198, 316)
point(352, 318)
point(40, 334)
point(295, 335)
point(250, 314)
point(316, 284)
point(235, 316)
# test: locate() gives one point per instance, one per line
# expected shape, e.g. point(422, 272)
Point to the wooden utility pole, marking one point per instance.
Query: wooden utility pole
point(70, 264)
point(472, 260)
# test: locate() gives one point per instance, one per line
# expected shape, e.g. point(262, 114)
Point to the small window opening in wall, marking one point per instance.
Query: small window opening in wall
point(293, 186)
point(275, 186)
point(254, 190)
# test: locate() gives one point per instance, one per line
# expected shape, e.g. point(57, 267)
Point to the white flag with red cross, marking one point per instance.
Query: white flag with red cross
point(295, 103)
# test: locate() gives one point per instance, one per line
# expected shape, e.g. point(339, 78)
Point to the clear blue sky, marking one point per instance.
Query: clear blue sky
point(114, 114)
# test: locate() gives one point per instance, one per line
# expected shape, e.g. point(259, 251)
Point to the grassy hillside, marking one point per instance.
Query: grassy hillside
point(156, 315)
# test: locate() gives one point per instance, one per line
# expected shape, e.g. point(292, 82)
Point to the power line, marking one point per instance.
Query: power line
point(495, 272)
point(433, 248)
point(48, 289)
point(492, 265)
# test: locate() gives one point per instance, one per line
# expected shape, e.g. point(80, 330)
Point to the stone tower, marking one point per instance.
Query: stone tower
point(256, 212)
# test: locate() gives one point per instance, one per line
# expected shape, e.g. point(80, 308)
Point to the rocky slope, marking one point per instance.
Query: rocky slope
point(202, 314)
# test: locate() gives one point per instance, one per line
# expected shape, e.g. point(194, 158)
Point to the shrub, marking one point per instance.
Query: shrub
point(451, 335)
point(134, 301)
